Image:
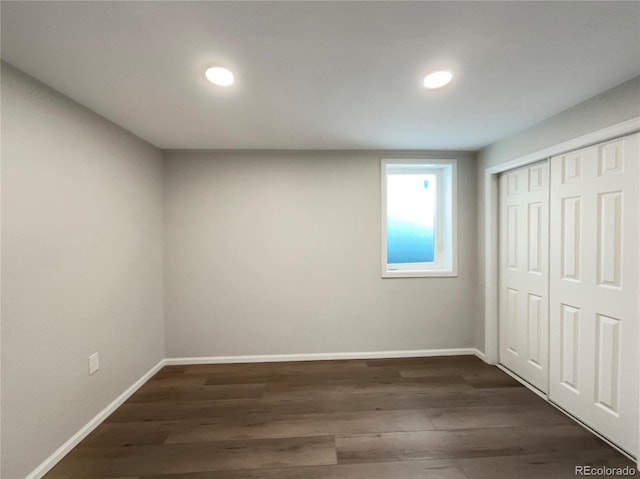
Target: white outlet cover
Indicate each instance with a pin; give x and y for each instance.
(94, 363)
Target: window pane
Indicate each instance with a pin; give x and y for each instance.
(410, 218)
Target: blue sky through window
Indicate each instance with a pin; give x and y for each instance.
(410, 218)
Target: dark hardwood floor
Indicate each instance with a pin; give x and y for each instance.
(435, 418)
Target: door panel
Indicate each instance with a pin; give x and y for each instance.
(593, 300)
(569, 357)
(524, 233)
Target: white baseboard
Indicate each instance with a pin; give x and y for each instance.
(274, 358)
(63, 450)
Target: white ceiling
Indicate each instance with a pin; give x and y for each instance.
(324, 75)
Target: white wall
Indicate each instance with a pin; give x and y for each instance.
(81, 267)
(279, 253)
(609, 108)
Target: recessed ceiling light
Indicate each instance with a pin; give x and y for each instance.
(219, 76)
(437, 79)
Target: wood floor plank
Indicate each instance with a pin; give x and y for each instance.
(301, 374)
(245, 378)
(200, 457)
(392, 400)
(173, 410)
(543, 466)
(504, 381)
(176, 410)
(229, 369)
(462, 443)
(366, 381)
(272, 426)
(257, 426)
(453, 365)
(497, 416)
(434, 361)
(198, 393)
(171, 370)
(174, 380)
(477, 376)
(420, 370)
(284, 367)
(344, 388)
(394, 470)
(326, 365)
(125, 435)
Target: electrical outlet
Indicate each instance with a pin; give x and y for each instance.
(94, 363)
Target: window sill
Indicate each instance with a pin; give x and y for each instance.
(419, 274)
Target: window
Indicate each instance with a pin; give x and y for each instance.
(418, 218)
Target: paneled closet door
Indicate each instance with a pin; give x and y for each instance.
(594, 303)
(524, 275)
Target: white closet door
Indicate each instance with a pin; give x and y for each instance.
(524, 275)
(594, 303)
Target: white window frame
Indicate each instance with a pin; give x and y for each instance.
(445, 241)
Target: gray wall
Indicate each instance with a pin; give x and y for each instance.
(609, 108)
(279, 253)
(81, 267)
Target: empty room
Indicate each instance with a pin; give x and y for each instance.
(319, 239)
